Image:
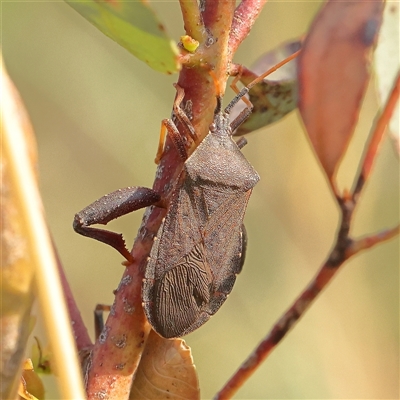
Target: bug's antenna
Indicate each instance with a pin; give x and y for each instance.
(240, 94)
(273, 69)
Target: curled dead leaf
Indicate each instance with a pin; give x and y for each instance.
(166, 371)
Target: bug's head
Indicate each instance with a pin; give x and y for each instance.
(220, 125)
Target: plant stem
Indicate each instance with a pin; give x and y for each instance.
(81, 335)
(193, 20)
(345, 247)
(289, 319)
(245, 15)
(376, 136)
(118, 350)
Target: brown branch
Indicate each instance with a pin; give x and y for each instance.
(81, 335)
(344, 249)
(376, 135)
(195, 79)
(245, 15)
(369, 241)
(118, 350)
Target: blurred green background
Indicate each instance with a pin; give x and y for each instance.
(96, 111)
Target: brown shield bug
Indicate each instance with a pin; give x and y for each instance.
(200, 246)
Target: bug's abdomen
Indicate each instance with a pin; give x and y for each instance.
(181, 296)
(187, 295)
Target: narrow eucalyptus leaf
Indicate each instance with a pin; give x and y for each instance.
(134, 26)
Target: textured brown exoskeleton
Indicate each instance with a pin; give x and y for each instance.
(200, 246)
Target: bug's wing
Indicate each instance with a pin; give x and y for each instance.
(224, 244)
(177, 283)
(179, 233)
(181, 296)
(198, 250)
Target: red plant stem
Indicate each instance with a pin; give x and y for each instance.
(246, 14)
(377, 134)
(284, 325)
(81, 335)
(218, 17)
(196, 81)
(344, 249)
(369, 241)
(118, 350)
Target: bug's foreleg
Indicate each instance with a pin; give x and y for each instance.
(112, 206)
(240, 95)
(167, 125)
(181, 115)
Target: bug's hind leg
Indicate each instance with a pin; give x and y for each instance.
(112, 206)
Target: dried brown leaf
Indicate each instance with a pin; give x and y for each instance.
(166, 371)
(333, 74)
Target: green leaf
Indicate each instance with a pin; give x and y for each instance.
(135, 27)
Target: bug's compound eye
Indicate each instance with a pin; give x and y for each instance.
(213, 127)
